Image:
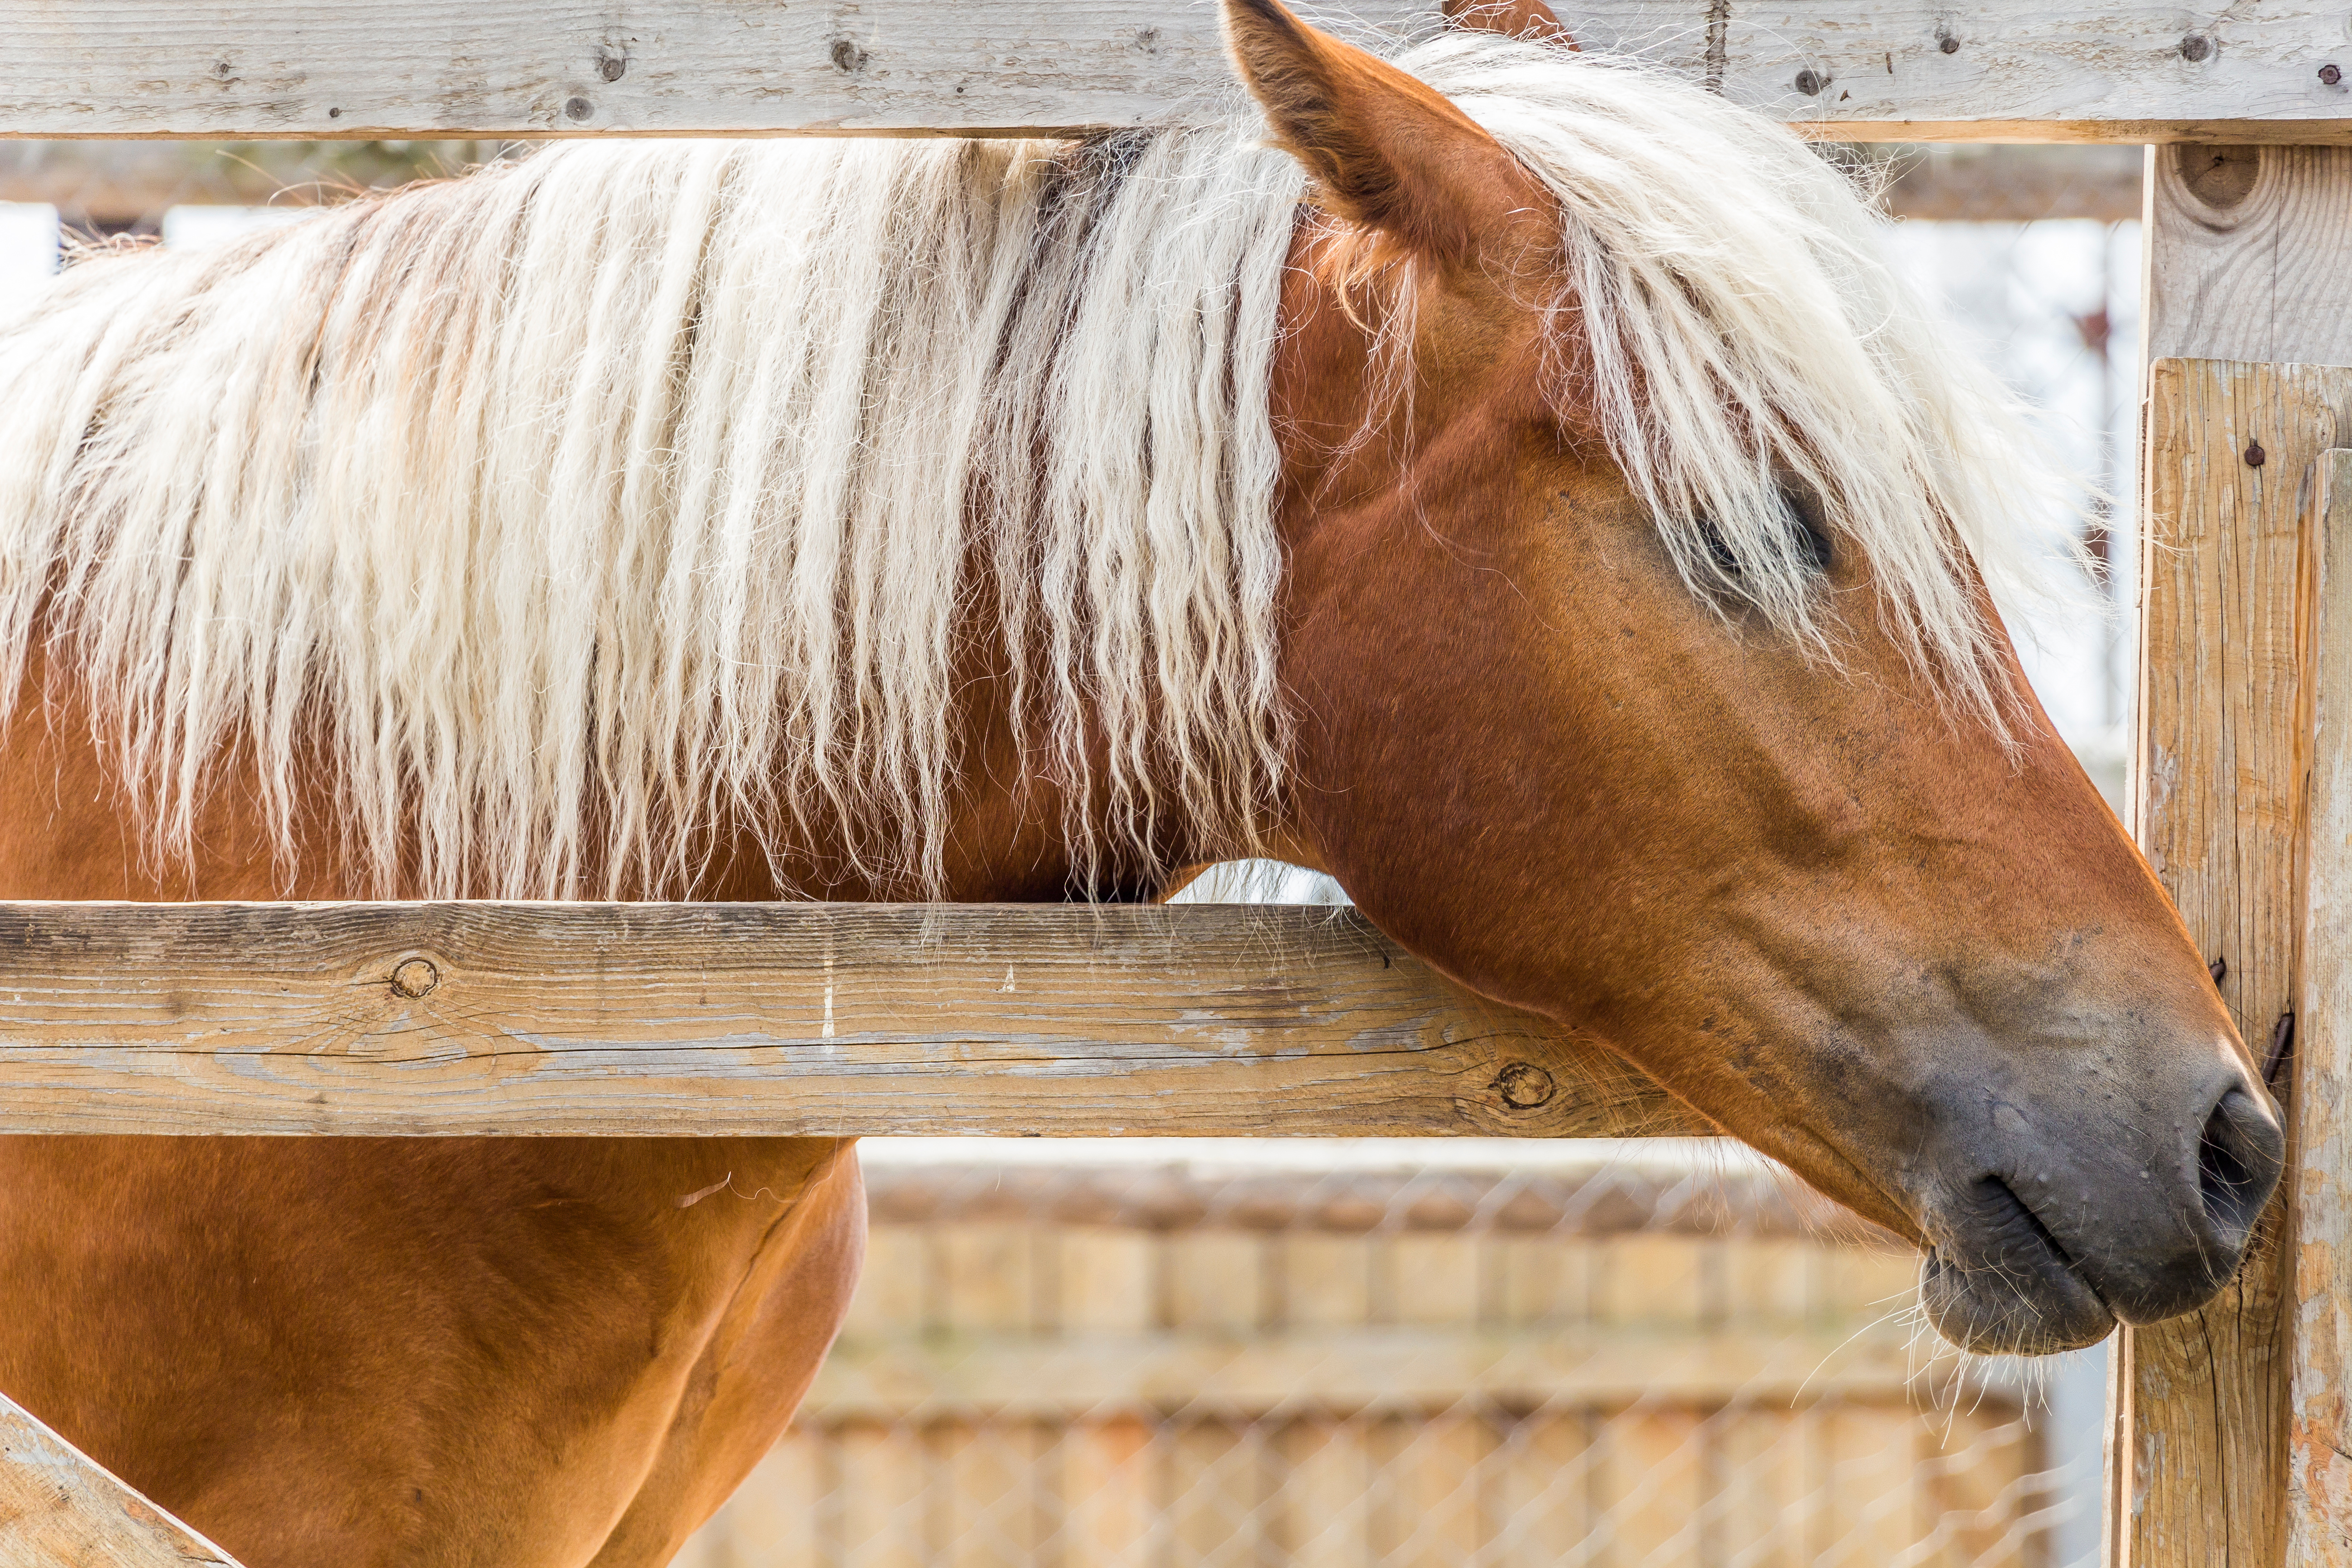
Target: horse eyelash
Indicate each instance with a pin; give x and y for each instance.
(1812, 538)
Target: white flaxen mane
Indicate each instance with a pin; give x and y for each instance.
(568, 509)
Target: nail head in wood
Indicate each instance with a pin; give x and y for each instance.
(1810, 82)
(2195, 48)
(2255, 456)
(2330, 74)
(412, 977)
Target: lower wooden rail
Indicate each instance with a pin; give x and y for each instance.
(632, 1019)
(61, 1508)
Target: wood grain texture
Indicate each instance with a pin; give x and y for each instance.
(61, 1508)
(2131, 70)
(2245, 254)
(2198, 1476)
(120, 183)
(803, 1019)
(2319, 1433)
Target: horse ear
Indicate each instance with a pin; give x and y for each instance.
(1530, 19)
(1386, 150)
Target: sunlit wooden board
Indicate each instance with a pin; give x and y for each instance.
(2008, 69)
(794, 1018)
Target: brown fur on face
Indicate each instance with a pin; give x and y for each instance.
(1530, 19)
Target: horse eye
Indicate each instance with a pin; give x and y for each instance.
(1804, 509)
(1801, 510)
(1719, 549)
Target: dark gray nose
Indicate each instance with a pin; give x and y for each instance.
(2156, 1270)
(2051, 1224)
(2239, 1162)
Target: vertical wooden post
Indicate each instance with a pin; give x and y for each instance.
(2247, 253)
(2319, 1424)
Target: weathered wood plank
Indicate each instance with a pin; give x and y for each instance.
(60, 1507)
(2132, 70)
(96, 184)
(460, 1018)
(2198, 1471)
(2319, 1434)
(2245, 254)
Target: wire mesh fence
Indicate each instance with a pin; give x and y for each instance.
(1606, 1357)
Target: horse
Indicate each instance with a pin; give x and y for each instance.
(1505, 480)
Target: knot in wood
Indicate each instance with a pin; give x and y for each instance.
(1523, 1085)
(412, 977)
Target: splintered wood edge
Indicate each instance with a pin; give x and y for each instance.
(59, 1506)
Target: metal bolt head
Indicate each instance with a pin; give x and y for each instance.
(412, 977)
(1948, 44)
(2330, 75)
(2255, 456)
(1810, 82)
(2195, 48)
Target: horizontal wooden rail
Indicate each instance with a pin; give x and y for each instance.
(117, 184)
(1385, 1369)
(632, 1019)
(1886, 69)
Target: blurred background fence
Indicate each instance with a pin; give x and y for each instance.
(1300, 1352)
(1576, 1354)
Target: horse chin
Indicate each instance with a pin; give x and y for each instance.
(2039, 1309)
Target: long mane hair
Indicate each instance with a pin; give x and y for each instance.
(569, 510)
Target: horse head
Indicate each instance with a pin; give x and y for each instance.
(1643, 675)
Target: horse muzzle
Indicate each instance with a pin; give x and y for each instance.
(2051, 1222)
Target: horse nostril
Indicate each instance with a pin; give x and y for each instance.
(2238, 1163)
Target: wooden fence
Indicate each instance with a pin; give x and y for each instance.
(1074, 1366)
(2229, 1425)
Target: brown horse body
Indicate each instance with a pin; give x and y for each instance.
(1841, 916)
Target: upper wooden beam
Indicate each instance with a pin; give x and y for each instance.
(1878, 70)
(637, 1019)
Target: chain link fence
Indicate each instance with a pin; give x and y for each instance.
(1287, 1354)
